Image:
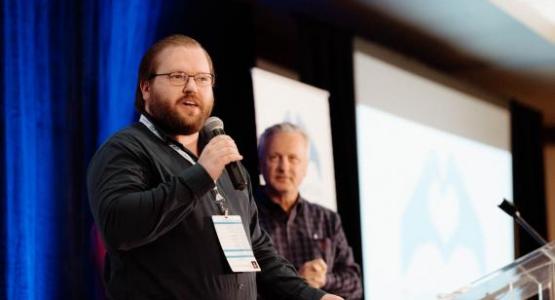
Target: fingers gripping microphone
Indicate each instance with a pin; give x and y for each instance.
(213, 127)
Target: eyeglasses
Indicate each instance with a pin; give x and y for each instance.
(181, 78)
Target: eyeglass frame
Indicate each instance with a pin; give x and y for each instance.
(189, 76)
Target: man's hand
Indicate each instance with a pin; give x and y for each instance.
(331, 297)
(314, 272)
(220, 151)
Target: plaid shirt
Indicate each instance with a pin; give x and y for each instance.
(312, 231)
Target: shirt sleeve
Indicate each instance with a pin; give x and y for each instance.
(278, 278)
(127, 209)
(344, 279)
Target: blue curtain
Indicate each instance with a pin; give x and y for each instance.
(127, 29)
(68, 72)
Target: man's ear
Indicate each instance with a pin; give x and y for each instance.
(145, 89)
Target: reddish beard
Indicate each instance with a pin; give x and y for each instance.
(169, 116)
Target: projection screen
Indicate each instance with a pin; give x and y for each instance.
(434, 164)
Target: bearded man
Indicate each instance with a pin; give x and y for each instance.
(165, 206)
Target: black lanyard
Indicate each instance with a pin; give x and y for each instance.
(220, 201)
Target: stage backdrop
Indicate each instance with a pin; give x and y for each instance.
(279, 99)
(434, 164)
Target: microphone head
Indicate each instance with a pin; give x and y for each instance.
(508, 207)
(213, 123)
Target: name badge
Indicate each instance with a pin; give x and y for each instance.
(235, 244)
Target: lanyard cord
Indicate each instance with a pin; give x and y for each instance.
(219, 199)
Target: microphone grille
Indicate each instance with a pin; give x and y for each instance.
(213, 123)
(508, 207)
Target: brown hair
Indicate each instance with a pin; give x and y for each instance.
(149, 62)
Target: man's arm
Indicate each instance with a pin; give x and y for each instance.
(344, 279)
(128, 211)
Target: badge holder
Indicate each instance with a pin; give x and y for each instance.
(233, 238)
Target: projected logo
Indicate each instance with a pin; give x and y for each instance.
(439, 230)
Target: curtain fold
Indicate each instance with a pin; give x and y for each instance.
(28, 145)
(528, 173)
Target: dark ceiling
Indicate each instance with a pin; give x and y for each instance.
(470, 40)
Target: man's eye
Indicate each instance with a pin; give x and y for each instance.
(177, 76)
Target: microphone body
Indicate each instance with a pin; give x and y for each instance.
(511, 210)
(212, 128)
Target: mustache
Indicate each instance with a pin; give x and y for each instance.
(190, 98)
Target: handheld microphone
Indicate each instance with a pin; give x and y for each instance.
(511, 210)
(213, 127)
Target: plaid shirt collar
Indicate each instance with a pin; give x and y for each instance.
(275, 209)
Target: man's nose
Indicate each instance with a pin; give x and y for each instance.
(190, 85)
(283, 164)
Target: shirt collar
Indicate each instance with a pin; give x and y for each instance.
(274, 208)
(149, 122)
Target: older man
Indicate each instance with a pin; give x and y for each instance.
(174, 225)
(307, 234)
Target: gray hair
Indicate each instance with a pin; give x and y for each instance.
(286, 127)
